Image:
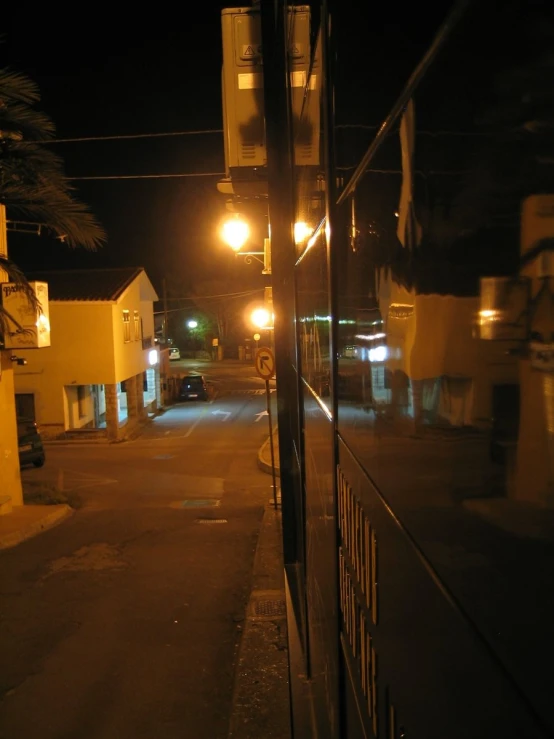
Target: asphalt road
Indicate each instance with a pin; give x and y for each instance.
(124, 621)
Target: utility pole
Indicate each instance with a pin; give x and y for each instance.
(9, 462)
(165, 310)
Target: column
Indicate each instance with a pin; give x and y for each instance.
(112, 414)
(157, 379)
(131, 390)
(9, 459)
(139, 395)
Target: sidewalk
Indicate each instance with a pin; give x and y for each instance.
(261, 706)
(29, 520)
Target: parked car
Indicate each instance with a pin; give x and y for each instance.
(31, 448)
(174, 353)
(193, 387)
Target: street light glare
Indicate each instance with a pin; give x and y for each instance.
(261, 318)
(302, 232)
(235, 233)
(192, 324)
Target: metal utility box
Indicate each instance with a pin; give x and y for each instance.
(243, 93)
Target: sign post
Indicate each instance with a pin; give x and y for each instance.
(265, 367)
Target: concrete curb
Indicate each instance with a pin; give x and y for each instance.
(261, 703)
(40, 518)
(264, 457)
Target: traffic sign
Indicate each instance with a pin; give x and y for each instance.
(265, 363)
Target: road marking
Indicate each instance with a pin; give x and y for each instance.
(222, 413)
(259, 415)
(84, 480)
(194, 425)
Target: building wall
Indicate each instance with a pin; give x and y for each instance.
(88, 347)
(129, 356)
(80, 353)
(79, 413)
(147, 313)
(10, 478)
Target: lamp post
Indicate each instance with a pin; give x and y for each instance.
(235, 232)
(192, 325)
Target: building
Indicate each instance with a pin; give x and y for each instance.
(100, 375)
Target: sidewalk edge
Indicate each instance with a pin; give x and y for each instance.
(12, 538)
(260, 691)
(264, 458)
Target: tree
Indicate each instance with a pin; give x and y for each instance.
(33, 186)
(216, 300)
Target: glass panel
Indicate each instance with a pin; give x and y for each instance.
(445, 383)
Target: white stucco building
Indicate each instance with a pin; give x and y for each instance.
(100, 375)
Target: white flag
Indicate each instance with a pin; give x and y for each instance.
(408, 229)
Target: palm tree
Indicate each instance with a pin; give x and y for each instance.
(33, 186)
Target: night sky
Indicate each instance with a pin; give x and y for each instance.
(107, 74)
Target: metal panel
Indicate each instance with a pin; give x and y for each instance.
(416, 663)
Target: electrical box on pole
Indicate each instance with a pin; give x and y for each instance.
(243, 101)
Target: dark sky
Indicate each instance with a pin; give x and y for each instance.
(158, 70)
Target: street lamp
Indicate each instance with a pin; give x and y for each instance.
(235, 232)
(302, 232)
(262, 318)
(192, 325)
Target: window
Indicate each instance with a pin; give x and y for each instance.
(137, 321)
(126, 326)
(81, 400)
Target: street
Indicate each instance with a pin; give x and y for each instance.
(125, 620)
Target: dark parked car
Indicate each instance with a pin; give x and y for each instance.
(193, 387)
(31, 449)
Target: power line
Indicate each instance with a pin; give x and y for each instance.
(210, 131)
(444, 172)
(222, 295)
(210, 297)
(129, 136)
(150, 176)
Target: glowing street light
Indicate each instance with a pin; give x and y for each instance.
(262, 318)
(302, 232)
(235, 233)
(192, 324)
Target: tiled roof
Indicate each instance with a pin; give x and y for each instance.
(86, 284)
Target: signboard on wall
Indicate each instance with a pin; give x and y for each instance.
(35, 327)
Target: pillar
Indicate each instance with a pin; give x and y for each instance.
(10, 477)
(131, 390)
(112, 412)
(139, 394)
(157, 380)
